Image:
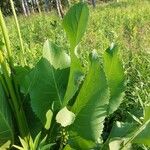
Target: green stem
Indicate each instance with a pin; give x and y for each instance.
(19, 33)
(7, 71)
(6, 39)
(4, 85)
(19, 113)
(61, 145)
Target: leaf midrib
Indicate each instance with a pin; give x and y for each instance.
(56, 87)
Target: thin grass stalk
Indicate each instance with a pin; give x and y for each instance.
(23, 60)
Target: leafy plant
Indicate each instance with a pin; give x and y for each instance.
(61, 99)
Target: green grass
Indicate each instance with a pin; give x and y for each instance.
(126, 23)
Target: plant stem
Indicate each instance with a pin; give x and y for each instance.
(7, 69)
(61, 145)
(4, 85)
(19, 113)
(6, 39)
(19, 33)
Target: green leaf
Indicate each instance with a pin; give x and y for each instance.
(65, 117)
(75, 23)
(115, 77)
(47, 87)
(6, 127)
(67, 147)
(76, 77)
(5, 146)
(146, 113)
(23, 82)
(49, 116)
(20, 73)
(119, 134)
(52, 53)
(121, 129)
(37, 141)
(76, 142)
(143, 136)
(132, 133)
(91, 104)
(116, 144)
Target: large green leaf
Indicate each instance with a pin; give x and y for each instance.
(91, 103)
(75, 22)
(34, 123)
(6, 128)
(56, 56)
(47, 87)
(46, 83)
(20, 73)
(115, 77)
(77, 142)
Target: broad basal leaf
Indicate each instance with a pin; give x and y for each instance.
(46, 87)
(75, 23)
(77, 142)
(115, 76)
(6, 128)
(34, 123)
(56, 56)
(47, 81)
(91, 103)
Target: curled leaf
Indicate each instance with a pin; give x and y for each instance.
(65, 117)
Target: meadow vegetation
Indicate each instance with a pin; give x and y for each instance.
(125, 23)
